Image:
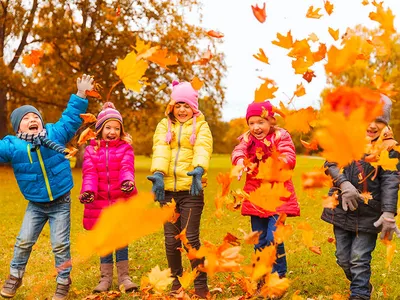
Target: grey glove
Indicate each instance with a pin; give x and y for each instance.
(350, 196)
(158, 185)
(388, 226)
(196, 187)
(84, 84)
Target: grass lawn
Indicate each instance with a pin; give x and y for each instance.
(315, 276)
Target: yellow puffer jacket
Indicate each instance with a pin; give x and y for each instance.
(180, 156)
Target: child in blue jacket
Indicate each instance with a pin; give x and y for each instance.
(37, 155)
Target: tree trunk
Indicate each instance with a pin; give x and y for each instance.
(3, 113)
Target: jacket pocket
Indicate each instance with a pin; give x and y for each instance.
(27, 177)
(375, 205)
(57, 169)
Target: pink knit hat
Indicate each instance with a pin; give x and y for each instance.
(260, 109)
(183, 92)
(108, 113)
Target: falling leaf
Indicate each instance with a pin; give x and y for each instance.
(300, 90)
(384, 17)
(313, 145)
(314, 179)
(259, 13)
(386, 162)
(215, 34)
(161, 87)
(334, 33)
(366, 196)
(86, 135)
(390, 251)
(251, 238)
(330, 201)
(300, 120)
(307, 233)
(274, 169)
(261, 262)
(328, 7)
(264, 92)
(71, 152)
(224, 179)
(282, 233)
(316, 249)
(274, 286)
(313, 37)
(308, 76)
(33, 58)
(130, 71)
(320, 54)
(187, 278)
(204, 59)
(365, 2)
(261, 56)
(284, 41)
(268, 196)
(313, 13)
(118, 12)
(88, 118)
(196, 83)
(93, 94)
(162, 58)
(158, 279)
(231, 239)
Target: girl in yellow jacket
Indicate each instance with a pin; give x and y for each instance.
(182, 147)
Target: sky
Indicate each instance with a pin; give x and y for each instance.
(244, 35)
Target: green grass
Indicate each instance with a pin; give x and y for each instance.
(315, 276)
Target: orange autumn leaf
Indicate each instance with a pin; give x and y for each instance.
(384, 17)
(157, 279)
(88, 118)
(334, 33)
(268, 196)
(282, 233)
(261, 56)
(196, 83)
(390, 251)
(71, 152)
(259, 13)
(231, 239)
(384, 87)
(187, 278)
(301, 65)
(300, 120)
(328, 7)
(365, 2)
(224, 179)
(122, 223)
(296, 296)
(313, 13)
(301, 49)
(93, 94)
(313, 145)
(341, 59)
(308, 76)
(284, 41)
(204, 59)
(235, 171)
(316, 249)
(313, 37)
(33, 58)
(274, 286)
(331, 240)
(252, 237)
(86, 135)
(307, 233)
(162, 58)
(118, 12)
(320, 54)
(264, 92)
(330, 201)
(366, 196)
(314, 179)
(300, 90)
(215, 34)
(175, 215)
(261, 262)
(274, 169)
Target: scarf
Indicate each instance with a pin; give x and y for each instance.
(40, 139)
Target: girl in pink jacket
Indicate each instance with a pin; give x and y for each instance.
(108, 176)
(256, 146)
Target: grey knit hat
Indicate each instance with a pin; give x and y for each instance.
(20, 112)
(386, 110)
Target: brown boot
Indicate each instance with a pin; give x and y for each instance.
(106, 271)
(123, 277)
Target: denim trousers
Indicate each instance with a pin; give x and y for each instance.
(120, 255)
(354, 255)
(268, 226)
(36, 216)
(190, 209)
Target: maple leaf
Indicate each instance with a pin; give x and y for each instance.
(231, 239)
(313, 145)
(383, 87)
(261, 56)
(328, 7)
(71, 152)
(238, 197)
(264, 92)
(300, 120)
(320, 54)
(268, 196)
(301, 65)
(274, 169)
(215, 34)
(196, 83)
(341, 59)
(284, 41)
(122, 223)
(259, 13)
(159, 280)
(93, 94)
(88, 118)
(308, 76)
(384, 17)
(33, 58)
(334, 33)
(130, 71)
(162, 58)
(224, 179)
(307, 233)
(365, 2)
(141, 47)
(282, 233)
(86, 135)
(315, 249)
(204, 59)
(313, 13)
(385, 161)
(313, 37)
(187, 278)
(274, 286)
(300, 90)
(330, 201)
(261, 262)
(252, 237)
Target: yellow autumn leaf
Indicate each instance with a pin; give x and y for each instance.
(386, 162)
(274, 286)
(268, 196)
(196, 83)
(130, 71)
(159, 280)
(187, 278)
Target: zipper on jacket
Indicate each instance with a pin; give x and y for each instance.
(176, 157)
(46, 179)
(108, 176)
(28, 149)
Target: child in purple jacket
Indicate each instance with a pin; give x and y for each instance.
(108, 176)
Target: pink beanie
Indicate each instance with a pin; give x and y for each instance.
(107, 114)
(260, 109)
(183, 92)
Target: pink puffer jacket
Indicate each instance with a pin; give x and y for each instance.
(281, 139)
(103, 171)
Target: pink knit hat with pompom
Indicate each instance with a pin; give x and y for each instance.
(108, 113)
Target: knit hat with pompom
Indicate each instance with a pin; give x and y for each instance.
(108, 113)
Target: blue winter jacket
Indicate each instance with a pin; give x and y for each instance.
(45, 175)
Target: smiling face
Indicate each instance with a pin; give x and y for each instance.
(182, 112)
(259, 127)
(111, 130)
(30, 124)
(374, 129)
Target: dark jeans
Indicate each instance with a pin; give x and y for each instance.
(190, 209)
(353, 254)
(120, 255)
(268, 227)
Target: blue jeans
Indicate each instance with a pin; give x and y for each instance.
(36, 216)
(268, 227)
(353, 254)
(120, 255)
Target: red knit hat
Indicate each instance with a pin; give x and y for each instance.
(260, 109)
(108, 113)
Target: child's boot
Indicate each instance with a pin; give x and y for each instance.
(106, 278)
(123, 277)
(10, 286)
(62, 290)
